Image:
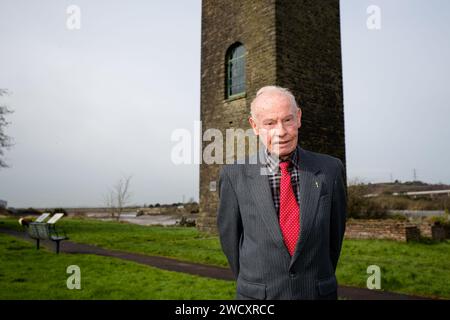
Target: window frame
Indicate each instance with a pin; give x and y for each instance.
(229, 60)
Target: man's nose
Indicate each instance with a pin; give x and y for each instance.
(281, 131)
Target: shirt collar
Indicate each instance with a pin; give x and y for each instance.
(273, 162)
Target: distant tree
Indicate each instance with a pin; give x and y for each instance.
(5, 141)
(118, 197)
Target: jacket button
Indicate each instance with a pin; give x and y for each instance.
(292, 274)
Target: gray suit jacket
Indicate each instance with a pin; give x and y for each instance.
(252, 240)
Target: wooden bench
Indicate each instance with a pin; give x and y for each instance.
(46, 231)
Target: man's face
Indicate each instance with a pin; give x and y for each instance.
(276, 122)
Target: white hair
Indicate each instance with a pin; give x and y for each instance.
(277, 89)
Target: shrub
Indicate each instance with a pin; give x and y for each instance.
(360, 207)
(443, 220)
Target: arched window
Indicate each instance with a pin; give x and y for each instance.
(235, 70)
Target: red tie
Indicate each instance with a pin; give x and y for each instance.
(289, 210)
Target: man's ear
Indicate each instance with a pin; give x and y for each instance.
(299, 118)
(254, 126)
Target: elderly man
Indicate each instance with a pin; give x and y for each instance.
(281, 217)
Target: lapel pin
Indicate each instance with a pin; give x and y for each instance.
(317, 184)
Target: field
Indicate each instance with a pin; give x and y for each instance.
(412, 268)
(29, 274)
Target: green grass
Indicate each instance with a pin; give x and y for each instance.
(183, 243)
(26, 273)
(412, 268)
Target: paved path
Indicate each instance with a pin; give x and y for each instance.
(171, 264)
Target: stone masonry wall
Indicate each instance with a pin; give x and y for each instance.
(224, 23)
(295, 44)
(393, 230)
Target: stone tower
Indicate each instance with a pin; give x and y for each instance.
(247, 44)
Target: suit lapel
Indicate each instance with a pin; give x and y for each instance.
(309, 184)
(261, 194)
(259, 189)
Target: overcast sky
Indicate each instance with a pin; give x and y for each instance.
(94, 104)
